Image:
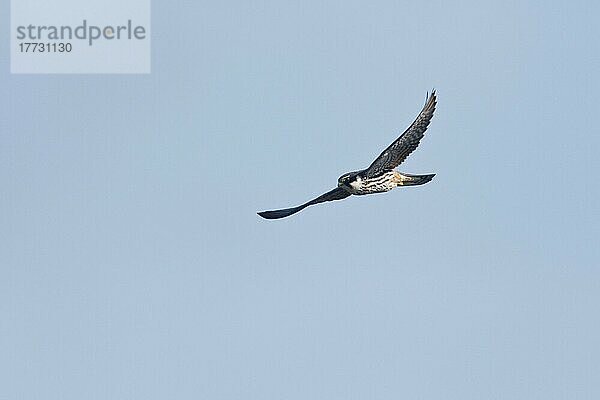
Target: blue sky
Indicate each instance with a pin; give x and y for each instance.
(134, 265)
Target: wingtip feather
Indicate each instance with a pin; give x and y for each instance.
(277, 214)
(264, 214)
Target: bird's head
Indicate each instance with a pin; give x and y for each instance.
(347, 179)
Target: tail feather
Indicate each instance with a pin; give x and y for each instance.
(414, 180)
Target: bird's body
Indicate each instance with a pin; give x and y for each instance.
(380, 176)
(361, 185)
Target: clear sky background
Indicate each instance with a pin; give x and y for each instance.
(133, 265)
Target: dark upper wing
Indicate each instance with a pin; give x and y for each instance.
(397, 152)
(335, 194)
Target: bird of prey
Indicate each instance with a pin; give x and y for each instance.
(380, 175)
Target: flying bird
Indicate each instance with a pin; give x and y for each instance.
(380, 175)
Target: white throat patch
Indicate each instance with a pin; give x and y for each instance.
(357, 184)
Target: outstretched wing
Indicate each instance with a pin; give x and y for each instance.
(397, 152)
(335, 194)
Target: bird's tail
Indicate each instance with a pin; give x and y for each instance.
(412, 180)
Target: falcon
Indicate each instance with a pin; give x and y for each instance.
(380, 175)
